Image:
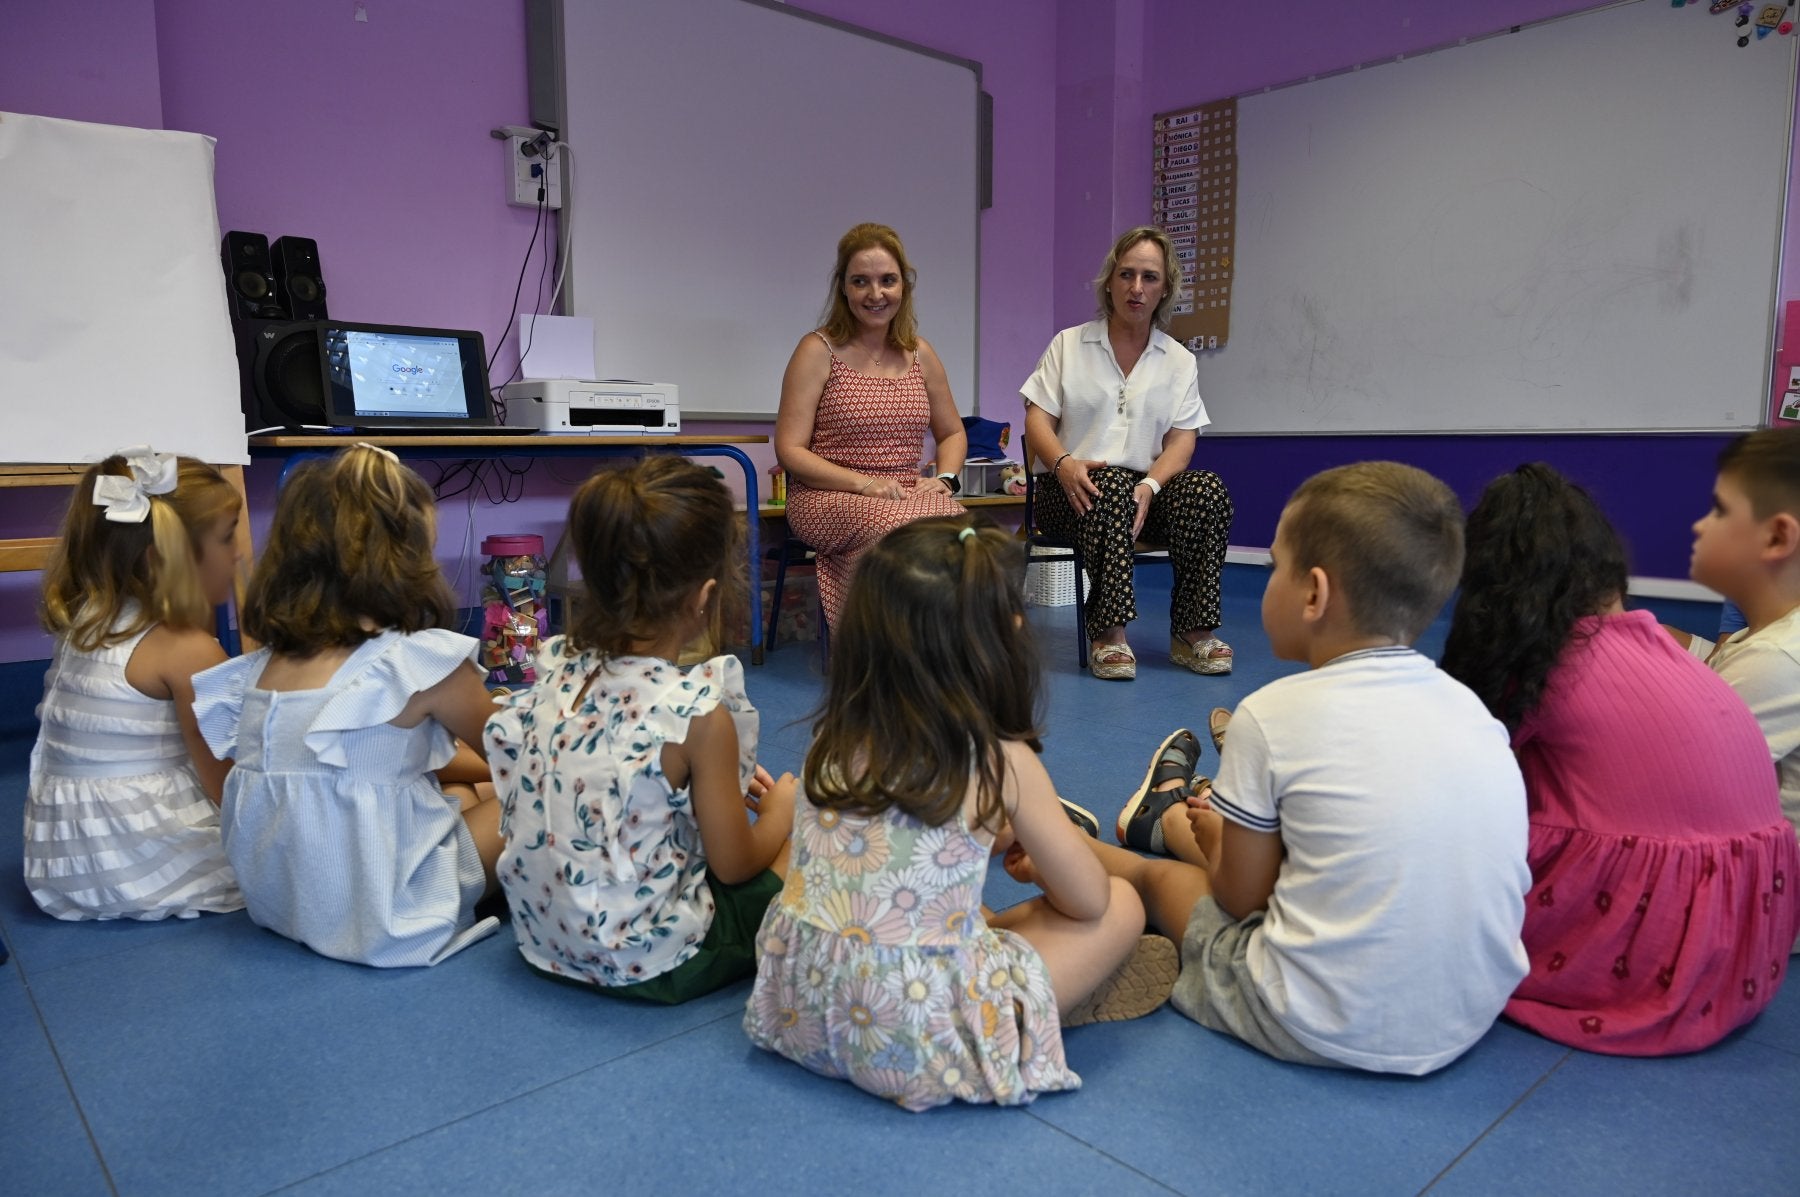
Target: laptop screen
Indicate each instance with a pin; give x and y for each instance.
(389, 374)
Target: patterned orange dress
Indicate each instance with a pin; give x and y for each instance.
(875, 426)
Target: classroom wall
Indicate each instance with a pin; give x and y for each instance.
(82, 60)
(371, 137)
(1015, 42)
(1653, 487)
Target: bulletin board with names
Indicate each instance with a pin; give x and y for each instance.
(1194, 200)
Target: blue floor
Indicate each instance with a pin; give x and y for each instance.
(212, 1057)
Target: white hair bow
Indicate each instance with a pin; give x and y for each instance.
(127, 500)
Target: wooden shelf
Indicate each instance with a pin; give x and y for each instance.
(775, 510)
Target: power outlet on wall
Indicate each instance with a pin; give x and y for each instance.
(527, 168)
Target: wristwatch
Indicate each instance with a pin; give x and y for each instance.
(951, 481)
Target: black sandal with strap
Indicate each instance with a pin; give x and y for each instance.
(1176, 759)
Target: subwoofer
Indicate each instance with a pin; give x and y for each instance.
(299, 280)
(283, 374)
(249, 277)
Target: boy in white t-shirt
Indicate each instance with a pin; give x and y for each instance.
(1747, 547)
(1364, 844)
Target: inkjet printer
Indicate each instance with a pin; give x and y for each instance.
(611, 408)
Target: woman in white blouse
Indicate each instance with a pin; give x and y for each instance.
(1111, 414)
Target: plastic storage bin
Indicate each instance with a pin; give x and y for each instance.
(514, 617)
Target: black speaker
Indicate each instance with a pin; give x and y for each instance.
(249, 277)
(299, 282)
(283, 379)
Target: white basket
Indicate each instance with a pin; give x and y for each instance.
(1051, 583)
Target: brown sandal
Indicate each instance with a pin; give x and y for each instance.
(1216, 722)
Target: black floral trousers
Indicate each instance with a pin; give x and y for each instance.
(1192, 515)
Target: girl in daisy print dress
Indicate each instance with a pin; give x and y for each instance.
(631, 864)
(879, 965)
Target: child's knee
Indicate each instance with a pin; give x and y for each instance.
(1125, 907)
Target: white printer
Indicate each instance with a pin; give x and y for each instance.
(609, 408)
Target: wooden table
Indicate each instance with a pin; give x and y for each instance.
(485, 448)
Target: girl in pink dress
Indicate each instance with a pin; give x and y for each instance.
(857, 398)
(1661, 912)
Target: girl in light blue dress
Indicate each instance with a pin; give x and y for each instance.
(343, 722)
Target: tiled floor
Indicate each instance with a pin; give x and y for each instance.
(212, 1057)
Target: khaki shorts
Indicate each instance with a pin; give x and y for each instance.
(1215, 988)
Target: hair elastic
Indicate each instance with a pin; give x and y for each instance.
(387, 453)
(965, 533)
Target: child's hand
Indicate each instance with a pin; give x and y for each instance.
(760, 783)
(776, 801)
(1204, 821)
(1018, 865)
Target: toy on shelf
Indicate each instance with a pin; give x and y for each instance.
(514, 619)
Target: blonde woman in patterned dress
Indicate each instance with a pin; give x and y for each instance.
(857, 398)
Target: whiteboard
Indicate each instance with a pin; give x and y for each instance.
(113, 322)
(721, 148)
(1572, 226)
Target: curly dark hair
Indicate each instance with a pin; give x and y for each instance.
(933, 668)
(1541, 555)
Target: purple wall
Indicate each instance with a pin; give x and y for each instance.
(371, 137)
(1015, 42)
(84, 60)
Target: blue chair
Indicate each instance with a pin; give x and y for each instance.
(1042, 546)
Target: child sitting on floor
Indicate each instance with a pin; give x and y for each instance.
(1747, 547)
(1360, 860)
(341, 835)
(1656, 921)
(121, 818)
(879, 964)
(631, 863)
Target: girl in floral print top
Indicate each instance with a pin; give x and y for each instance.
(879, 965)
(631, 861)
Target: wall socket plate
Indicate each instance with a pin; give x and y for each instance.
(523, 172)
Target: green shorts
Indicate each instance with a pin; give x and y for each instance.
(727, 954)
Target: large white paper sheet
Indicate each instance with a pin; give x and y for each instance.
(113, 323)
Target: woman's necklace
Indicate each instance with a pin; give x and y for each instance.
(875, 358)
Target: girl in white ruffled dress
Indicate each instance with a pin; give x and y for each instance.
(121, 818)
(342, 836)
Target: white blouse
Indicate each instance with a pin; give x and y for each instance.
(1078, 381)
